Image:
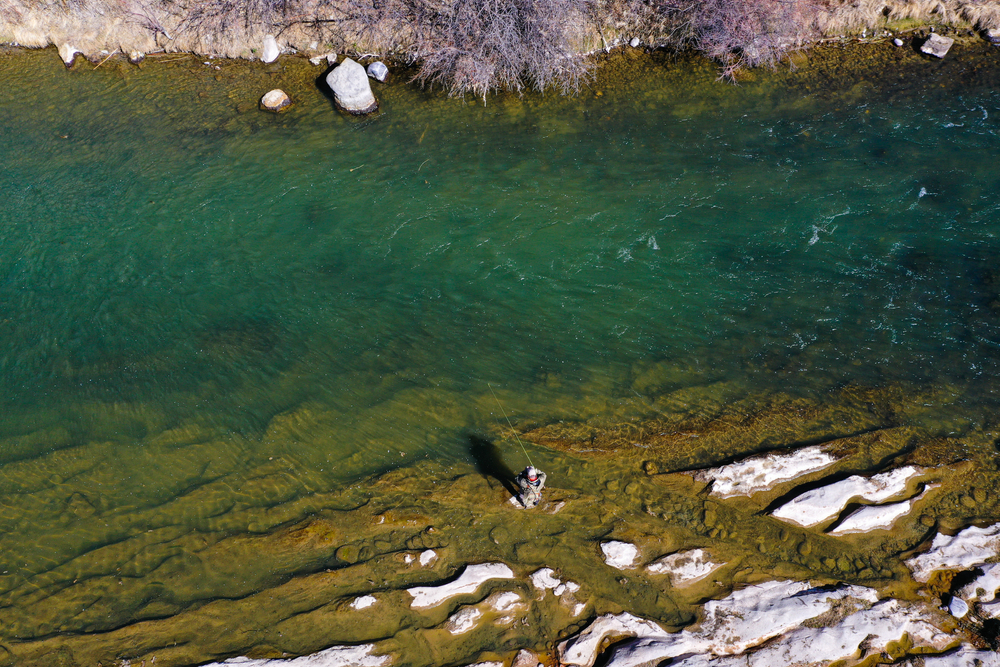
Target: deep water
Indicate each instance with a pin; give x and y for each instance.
(191, 287)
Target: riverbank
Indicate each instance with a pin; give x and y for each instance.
(477, 46)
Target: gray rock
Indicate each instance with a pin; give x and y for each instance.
(68, 53)
(275, 100)
(897, 41)
(351, 90)
(992, 35)
(271, 50)
(958, 608)
(936, 45)
(634, 43)
(378, 71)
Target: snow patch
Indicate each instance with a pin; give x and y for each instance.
(335, 656)
(988, 582)
(760, 473)
(964, 657)
(427, 557)
(468, 582)
(544, 578)
(506, 601)
(621, 555)
(363, 602)
(969, 548)
(684, 567)
(463, 620)
(825, 503)
(877, 517)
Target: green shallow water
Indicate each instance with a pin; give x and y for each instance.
(211, 316)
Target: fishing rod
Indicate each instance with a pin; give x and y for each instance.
(511, 425)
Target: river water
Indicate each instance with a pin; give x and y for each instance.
(192, 290)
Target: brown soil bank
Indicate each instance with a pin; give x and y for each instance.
(475, 45)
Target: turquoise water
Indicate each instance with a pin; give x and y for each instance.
(340, 291)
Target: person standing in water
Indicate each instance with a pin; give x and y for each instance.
(531, 482)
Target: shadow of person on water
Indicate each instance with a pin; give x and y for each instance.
(489, 463)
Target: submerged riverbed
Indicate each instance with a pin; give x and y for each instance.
(247, 357)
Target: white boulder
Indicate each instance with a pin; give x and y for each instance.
(270, 52)
(351, 90)
(68, 53)
(275, 100)
(378, 71)
(936, 45)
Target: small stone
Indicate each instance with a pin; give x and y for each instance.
(351, 90)
(968, 501)
(275, 100)
(324, 58)
(992, 35)
(650, 468)
(936, 45)
(958, 608)
(271, 51)
(136, 57)
(805, 548)
(378, 71)
(634, 43)
(979, 495)
(897, 41)
(68, 53)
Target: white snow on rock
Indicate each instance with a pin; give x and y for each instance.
(744, 619)
(964, 657)
(408, 558)
(874, 628)
(544, 578)
(621, 555)
(468, 582)
(487, 664)
(988, 582)
(877, 517)
(684, 567)
(969, 548)
(335, 656)
(463, 620)
(363, 602)
(583, 649)
(506, 601)
(825, 503)
(427, 557)
(760, 473)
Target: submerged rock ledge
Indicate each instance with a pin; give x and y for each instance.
(430, 565)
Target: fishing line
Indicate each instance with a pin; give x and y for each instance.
(511, 425)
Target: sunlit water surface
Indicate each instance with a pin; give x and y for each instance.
(178, 266)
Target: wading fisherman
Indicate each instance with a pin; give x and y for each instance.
(531, 482)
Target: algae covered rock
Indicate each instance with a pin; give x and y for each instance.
(351, 90)
(275, 100)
